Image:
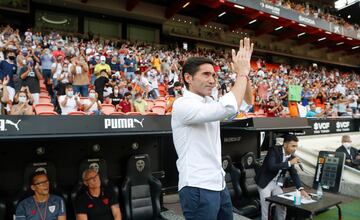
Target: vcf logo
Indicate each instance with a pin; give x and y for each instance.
(321, 126)
(9, 122)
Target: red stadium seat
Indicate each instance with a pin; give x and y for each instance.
(48, 113)
(44, 107)
(44, 99)
(150, 104)
(160, 103)
(133, 113)
(106, 109)
(77, 113)
(159, 110)
(151, 113)
(117, 113)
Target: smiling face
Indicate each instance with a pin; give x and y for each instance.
(203, 81)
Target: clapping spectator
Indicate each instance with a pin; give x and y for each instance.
(22, 107)
(31, 75)
(69, 102)
(140, 105)
(92, 104)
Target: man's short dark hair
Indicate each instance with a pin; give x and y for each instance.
(127, 94)
(192, 64)
(177, 83)
(35, 174)
(290, 137)
(68, 86)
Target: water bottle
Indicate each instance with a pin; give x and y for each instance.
(319, 192)
(297, 198)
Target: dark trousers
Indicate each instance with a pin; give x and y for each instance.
(200, 204)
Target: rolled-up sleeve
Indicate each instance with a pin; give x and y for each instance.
(188, 111)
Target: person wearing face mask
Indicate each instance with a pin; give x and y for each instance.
(30, 76)
(56, 69)
(8, 68)
(126, 104)
(69, 102)
(22, 107)
(115, 97)
(102, 66)
(140, 105)
(46, 61)
(7, 94)
(92, 105)
(63, 79)
(114, 65)
(79, 71)
(351, 153)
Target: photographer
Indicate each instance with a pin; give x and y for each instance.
(30, 76)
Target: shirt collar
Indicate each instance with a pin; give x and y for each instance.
(283, 151)
(187, 93)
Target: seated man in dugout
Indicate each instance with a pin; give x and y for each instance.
(97, 202)
(42, 205)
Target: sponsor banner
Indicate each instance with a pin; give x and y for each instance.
(26, 126)
(327, 126)
(296, 16)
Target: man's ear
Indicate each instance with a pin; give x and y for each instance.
(188, 78)
(32, 187)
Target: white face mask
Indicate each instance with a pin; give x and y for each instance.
(347, 145)
(70, 93)
(116, 91)
(22, 99)
(92, 95)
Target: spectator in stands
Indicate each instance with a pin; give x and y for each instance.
(130, 67)
(172, 77)
(97, 201)
(102, 66)
(30, 76)
(115, 97)
(114, 65)
(8, 68)
(270, 177)
(177, 90)
(46, 62)
(140, 105)
(352, 155)
(22, 107)
(126, 104)
(7, 94)
(92, 105)
(42, 205)
(153, 78)
(56, 69)
(69, 102)
(353, 98)
(100, 84)
(80, 80)
(63, 79)
(196, 116)
(314, 113)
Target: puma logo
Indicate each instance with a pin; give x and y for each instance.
(139, 122)
(16, 125)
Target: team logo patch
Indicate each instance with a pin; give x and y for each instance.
(33, 212)
(106, 201)
(52, 209)
(90, 206)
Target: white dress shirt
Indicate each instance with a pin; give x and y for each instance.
(195, 124)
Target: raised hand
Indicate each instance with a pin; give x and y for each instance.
(241, 58)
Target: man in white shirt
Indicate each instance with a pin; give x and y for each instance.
(196, 133)
(69, 102)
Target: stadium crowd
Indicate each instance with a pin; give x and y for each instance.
(50, 74)
(309, 9)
